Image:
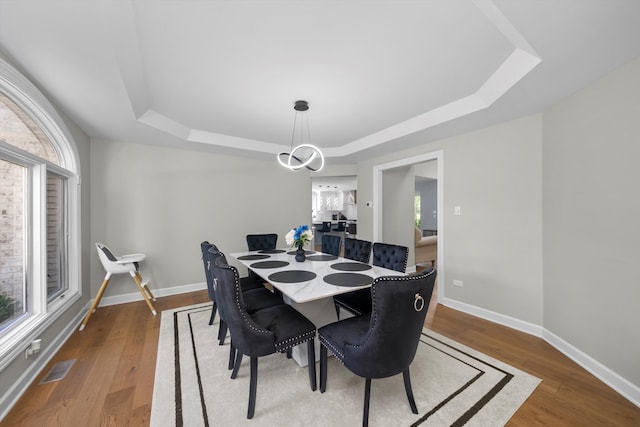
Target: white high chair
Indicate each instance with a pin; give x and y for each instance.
(119, 265)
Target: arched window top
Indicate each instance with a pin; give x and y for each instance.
(19, 130)
(43, 132)
(41, 263)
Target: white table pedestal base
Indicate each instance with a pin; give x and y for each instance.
(321, 312)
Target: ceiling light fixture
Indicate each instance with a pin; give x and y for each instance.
(304, 155)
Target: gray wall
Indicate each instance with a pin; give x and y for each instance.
(591, 220)
(495, 246)
(397, 213)
(398, 207)
(428, 191)
(164, 201)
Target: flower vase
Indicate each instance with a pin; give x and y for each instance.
(300, 255)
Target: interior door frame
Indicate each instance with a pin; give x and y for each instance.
(378, 198)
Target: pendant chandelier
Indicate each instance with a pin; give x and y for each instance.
(303, 155)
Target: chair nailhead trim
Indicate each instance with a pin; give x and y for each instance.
(241, 309)
(285, 345)
(331, 347)
(375, 313)
(294, 341)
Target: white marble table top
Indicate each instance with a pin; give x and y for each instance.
(315, 288)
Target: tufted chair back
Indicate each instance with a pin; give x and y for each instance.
(207, 250)
(204, 248)
(247, 336)
(259, 242)
(357, 250)
(399, 308)
(331, 244)
(389, 256)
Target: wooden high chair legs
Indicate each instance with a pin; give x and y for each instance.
(142, 287)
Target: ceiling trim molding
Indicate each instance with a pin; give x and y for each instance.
(516, 66)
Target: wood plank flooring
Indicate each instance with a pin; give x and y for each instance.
(111, 383)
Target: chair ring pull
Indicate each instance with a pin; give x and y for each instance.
(418, 303)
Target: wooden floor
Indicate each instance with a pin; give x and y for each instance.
(111, 383)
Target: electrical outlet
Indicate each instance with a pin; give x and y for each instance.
(34, 348)
(457, 283)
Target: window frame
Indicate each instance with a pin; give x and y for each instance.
(42, 313)
(64, 232)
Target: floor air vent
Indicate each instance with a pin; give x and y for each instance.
(58, 372)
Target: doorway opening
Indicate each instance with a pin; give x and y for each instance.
(387, 172)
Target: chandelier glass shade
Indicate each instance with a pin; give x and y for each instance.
(303, 155)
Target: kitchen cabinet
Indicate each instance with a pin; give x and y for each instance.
(330, 201)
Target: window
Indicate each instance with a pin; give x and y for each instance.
(56, 235)
(39, 216)
(12, 242)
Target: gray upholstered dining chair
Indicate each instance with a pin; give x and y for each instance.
(382, 343)
(393, 257)
(267, 331)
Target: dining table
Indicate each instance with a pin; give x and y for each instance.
(309, 286)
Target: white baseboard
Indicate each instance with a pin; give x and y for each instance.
(162, 292)
(17, 389)
(502, 319)
(630, 391)
(619, 384)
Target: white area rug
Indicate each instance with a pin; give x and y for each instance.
(453, 385)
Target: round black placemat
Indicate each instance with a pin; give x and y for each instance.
(269, 264)
(292, 276)
(350, 266)
(323, 257)
(253, 257)
(271, 251)
(306, 252)
(348, 279)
